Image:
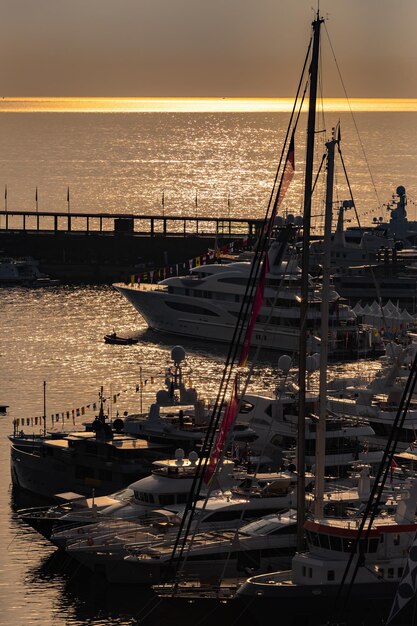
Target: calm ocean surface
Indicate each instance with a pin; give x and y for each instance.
(123, 162)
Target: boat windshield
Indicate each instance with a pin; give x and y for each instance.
(123, 494)
(271, 524)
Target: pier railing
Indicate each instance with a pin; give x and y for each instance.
(131, 224)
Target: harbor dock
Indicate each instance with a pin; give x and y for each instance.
(103, 247)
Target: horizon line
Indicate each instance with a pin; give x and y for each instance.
(126, 104)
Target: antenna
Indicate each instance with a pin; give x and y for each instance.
(44, 408)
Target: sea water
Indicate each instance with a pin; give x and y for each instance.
(123, 162)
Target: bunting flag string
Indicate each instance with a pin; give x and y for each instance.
(81, 410)
(180, 269)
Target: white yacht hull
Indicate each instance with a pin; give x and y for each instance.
(216, 324)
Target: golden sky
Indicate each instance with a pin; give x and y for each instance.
(204, 49)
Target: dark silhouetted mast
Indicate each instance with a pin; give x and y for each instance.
(308, 186)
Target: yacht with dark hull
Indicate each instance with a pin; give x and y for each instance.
(97, 462)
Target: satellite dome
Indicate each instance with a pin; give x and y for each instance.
(193, 457)
(316, 357)
(177, 354)
(163, 397)
(179, 454)
(284, 363)
(311, 363)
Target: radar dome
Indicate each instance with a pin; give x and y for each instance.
(163, 397)
(400, 190)
(311, 363)
(290, 218)
(298, 220)
(279, 220)
(284, 363)
(177, 354)
(179, 454)
(193, 457)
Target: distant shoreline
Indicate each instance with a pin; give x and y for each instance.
(196, 105)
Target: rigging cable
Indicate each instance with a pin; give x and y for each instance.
(235, 342)
(353, 118)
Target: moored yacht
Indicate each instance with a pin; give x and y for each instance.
(23, 272)
(254, 547)
(206, 304)
(167, 486)
(97, 462)
(349, 439)
(312, 590)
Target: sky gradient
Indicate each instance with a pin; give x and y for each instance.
(200, 48)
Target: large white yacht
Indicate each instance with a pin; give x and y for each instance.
(206, 303)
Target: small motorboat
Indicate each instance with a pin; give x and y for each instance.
(113, 338)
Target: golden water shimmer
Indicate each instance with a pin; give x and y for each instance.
(190, 105)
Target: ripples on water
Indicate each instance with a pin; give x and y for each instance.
(123, 162)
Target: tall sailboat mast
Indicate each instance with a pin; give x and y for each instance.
(308, 187)
(324, 346)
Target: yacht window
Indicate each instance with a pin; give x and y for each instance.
(396, 540)
(390, 572)
(304, 570)
(291, 530)
(347, 545)
(400, 572)
(310, 572)
(236, 280)
(268, 410)
(330, 574)
(336, 543)
(190, 308)
(277, 440)
(373, 545)
(165, 499)
(324, 541)
(381, 571)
